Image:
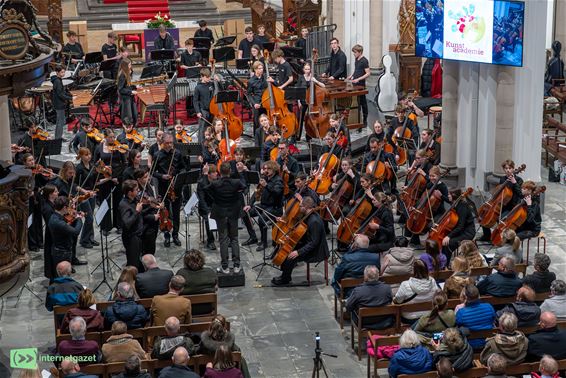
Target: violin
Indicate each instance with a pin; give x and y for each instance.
(338, 199)
(95, 135)
(317, 120)
(40, 134)
(72, 213)
(355, 218)
(134, 136)
(489, 212)
(448, 221)
(277, 109)
(147, 200)
(86, 196)
(289, 240)
(225, 111)
(421, 213)
(117, 146)
(103, 169)
(38, 169)
(183, 137)
(328, 164)
(514, 219)
(17, 149)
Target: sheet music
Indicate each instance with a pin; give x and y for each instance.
(99, 215)
(30, 220)
(190, 204)
(212, 224)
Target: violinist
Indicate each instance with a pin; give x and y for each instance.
(205, 201)
(303, 189)
(127, 91)
(134, 163)
(210, 153)
(86, 137)
(201, 100)
(359, 76)
(285, 74)
(375, 150)
(338, 127)
(402, 122)
(289, 165)
(116, 160)
(531, 227)
(154, 148)
(337, 67)
(169, 163)
(63, 235)
(268, 199)
(150, 212)
(132, 222)
(130, 136)
(86, 179)
(431, 146)
(59, 99)
(190, 59)
(239, 165)
(181, 135)
(465, 229)
(385, 228)
(312, 247)
(515, 183)
(49, 193)
(256, 85)
(29, 141)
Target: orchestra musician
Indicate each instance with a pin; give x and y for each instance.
(337, 126)
(169, 163)
(134, 163)
(262, 132)
(110, 52)
(127, 91)
(304, 81)
(190, 59)
(132, 222)
(515, 183)
(82, 137)
(422, 164)
(359, 76)
(401, 120)
(28, 142)
(110, 190)
(49, 193)
(441, 189)
(256, 85)
(63, 234)
(205, 201)
(347, 169)
(329, 140)
(380, 135)
(268, 198)
(255, 56)
(164, 41)
(150, 211)
(59, 99)
(204, 32)
(302, 41)
(261, 36)
(271, 141)
(245, 46)
(129, 130)
(465, 228)
(312, 247)
(210, 152)
(201, 100)
(86, 178)
(289, 165)
(285, 74)
(337, 67)
(375, 147)
(414, 111)
(154, 148)
(531, 226)
(303, 190)
(72, 51)
(430, 145)
(385, 229)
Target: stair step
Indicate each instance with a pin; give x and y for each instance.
(163, 9)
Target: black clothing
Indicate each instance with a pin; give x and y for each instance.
(302, 43)
(517, 193)
(129, 142)
(132, 230)
(150, 224)
(385, 235)
(63, 237)
(117, 162)
(81, 139)
(440, 186)
(409, 124)
(550, 341)
(246, 47)
(337, 66)
(360, 66)
(201, 101)
(308, 192)
(163, 160)
(178, 371)
(465, 229)
(166, 43)
(500, 284)
(153, 282)
(435, 148)
(204, 206)
(262, 39)
(271, 200)
(256, 87)
(206, 33)
(528, 314)
(285, 71)
(190, 60)
(127, 105)
(59, 97)
(76, 51)
(110, 51)
(65, 188)
(49, 270)
(153, 149)
(371, 294)
(293, 167)
(533, 221)
(540, 281)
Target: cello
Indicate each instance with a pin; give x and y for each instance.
(448, 221)
(225, 111)
(289, 240)
(355, 219)
(317, 119)
(514, 219)
(414, 188)
(226, 146)
(327, 166)
(404, 133)
(377, 168)
(421, 214)
(288, 220)
(278, 110)
(338, 199)
(490, 211)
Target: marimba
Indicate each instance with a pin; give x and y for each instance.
(82, 99)
(344, 96)
(153, 99)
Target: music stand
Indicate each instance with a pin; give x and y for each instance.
(151, 71)
(107, 65)
(269, 46)
(407, 143)
(225, 41)
(93, 57)
(224, 54)
(252, 153)
(293, 52)
(295, 93)
(183, 179)
(251, 177)
(48, 147)
(162, 55)
(227, 96)
(201, 42)
(242, 64)
(204, 52)
(192, 72)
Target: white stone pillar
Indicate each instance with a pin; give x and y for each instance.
(5, 138)
(505, 118)
(450, 78)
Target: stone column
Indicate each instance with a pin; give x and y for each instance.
(376, 32)
(450, 78)
(504, 120)
(5, 138)
(560, 25)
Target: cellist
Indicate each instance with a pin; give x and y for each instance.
(312, 247)
(531, 227)
(512, 181)
(384, 230)
(431, 146)
(289, 165)
(402, 121)
(303, 190)
(329, 140)
(389, 186)
(465, 229)
(346, 169)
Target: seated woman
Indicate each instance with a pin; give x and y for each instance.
(511, 246)
(454, 346)
(128, 275)
(439, 318)
(469, 250)
(461, 277)
(508, 342)
(198, 279)
(223, 365)
(432, 257)
(93, 318)
(419, 288)
(411, 358)
(541, 279)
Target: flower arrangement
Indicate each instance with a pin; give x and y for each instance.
(158, 20)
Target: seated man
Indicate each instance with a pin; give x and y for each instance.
(164, 346)
(548, 367)
(508, 342)
(126, 309)
(121, 345)
(504, 283)
(373, 293)
(475, 315)
(354, 261)
(542, 278)
(78, 345)
(132, 369)
(64, 290)
(154, 281)
(179, 369)
(496, 366)
(557, 301)
(524, 308)
(171, 304)
(71, 369)
(547, 340)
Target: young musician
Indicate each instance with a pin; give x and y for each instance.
(82, 139)
(359, 76)
(205, 201)
(35, 230)
(302, 41)
(164, 41)
(86, 179)
(269, 194)
(465, 229)
(347, 170)
(134, 163)
(127, 92)
(169, 163)
(132, 222)
(414, 112)
(204, 32)
(201, 100)
(337, 67)
(154, 148)
(49, 193)
(379, 134)
(329, 142)
(72, 51)
(190, 59)
(303, 190)
(128, 128)
(304, 81)
(375, 150)
(367, 185)
(210, 152)
(59, 99)
(338, 127)
(311, 248)
(110, 52)
(245, 46)
(261, 36)
(384, 230)
(256, 86)
(440, 191)
(289, 165)
(402, 121)
(256, 56)
(430, 145)
(272, 138)
(531, 227)
(226, 207)
(150, 212)
(262, 132)
(63, 235)
(285, 74)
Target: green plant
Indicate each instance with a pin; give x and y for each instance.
(159, 20)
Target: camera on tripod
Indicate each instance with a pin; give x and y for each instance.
(318, 362)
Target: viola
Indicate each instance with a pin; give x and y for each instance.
(317, 120)
(277, 109)
(103, 169)
(340, 196)
(183, 137)
(489, 212)
(134, 136)
(448, 221)
(117, 146)
(355, 218)
(40, 134)
(225, 111)
(514, 219)
(38, 169)
(95, 135)
(328, 164)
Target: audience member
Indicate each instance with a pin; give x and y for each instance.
(132, 369)
(525, 308)
(164, 346)
(78, 345)
(509, 342)
(372, 293)
(223, 365)
(354, 261)
(432, 257)
(511, 246)
(557, 301)
(126, 309)
(469, 250)
(444, 368)
(64, 290)
(154, 281)
(93, 318)
(198, 278)
(549, 339)
(71, 369)
(504, 283)
(460, 279)
(121, 345)
(128, 274)
(411, 358)
(419, 288)
(439, 318)
(398, 260)
(171, 304)
(180, 368)
(475, 315)
(454, 346)
(218, 334)
(542, 278)
(548, 368)
(496, 366)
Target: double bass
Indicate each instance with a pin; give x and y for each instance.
(489, 212)
(225, 111)
(227, 146)
(421, 214)
(277, 109)
(448, 221)
(327, 166)
(317, 119)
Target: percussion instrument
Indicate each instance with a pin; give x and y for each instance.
(153, 99)
(82, 99)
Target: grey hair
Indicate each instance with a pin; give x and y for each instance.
(558, 287)
(125, 290)
(180, 356)
(361, 241)
(371, 273)
(172, 325)
(148, 261)
(409, 339)
(542, 261)
(508, 322)
(77, 328)
(496, 364)
(508, 261)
